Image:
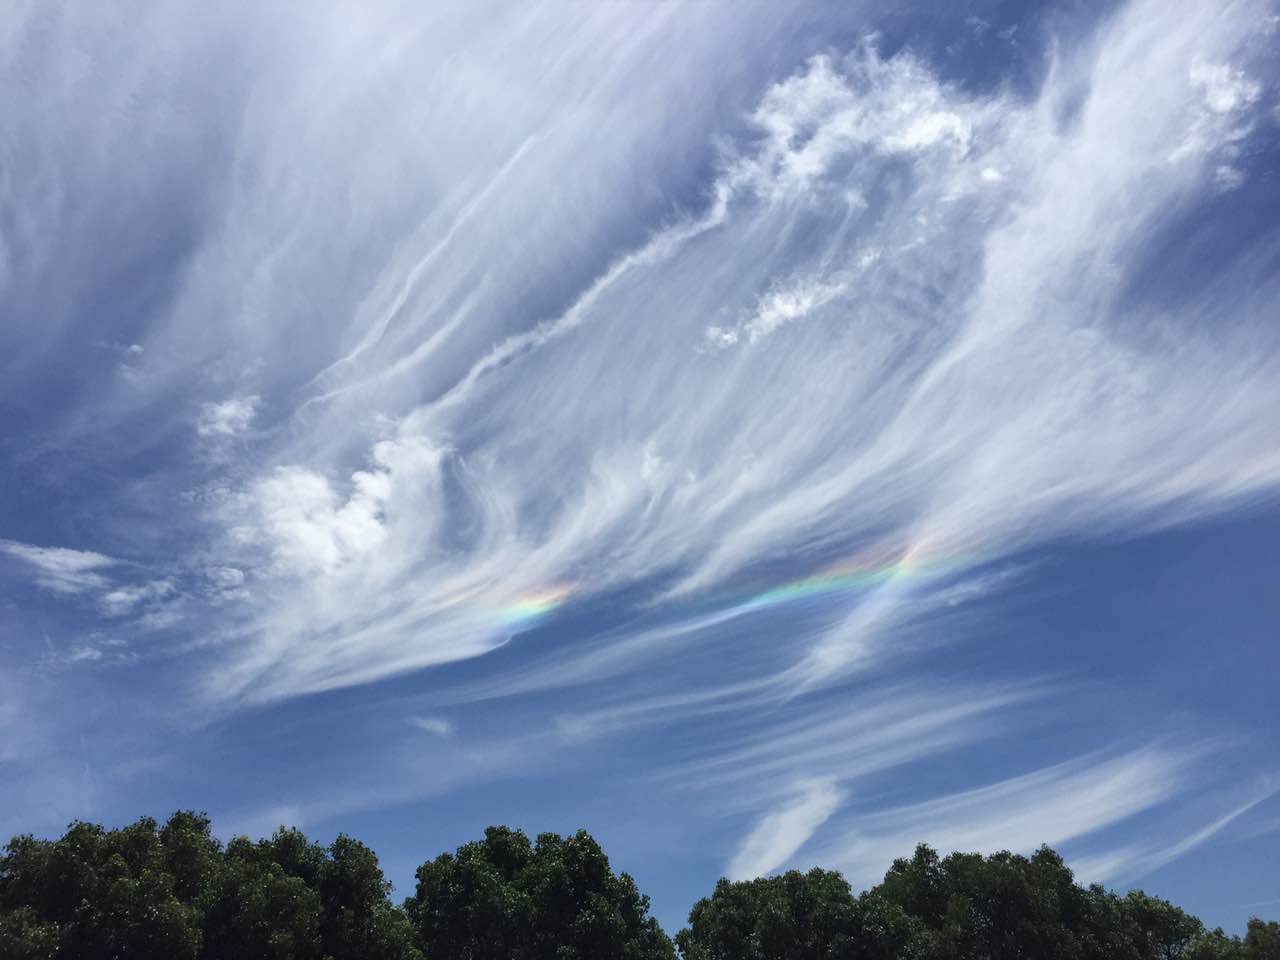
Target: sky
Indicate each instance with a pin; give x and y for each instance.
(764, 435)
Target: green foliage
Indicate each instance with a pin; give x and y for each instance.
(1159, 929)
(174, 892)
(1214, 945)
(24, 936)
(106, 894)
(558, 899)
(1262, 940)
(1003, 906)
(796, 916)
(961, 907)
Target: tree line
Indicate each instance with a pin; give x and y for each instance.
(174, 892)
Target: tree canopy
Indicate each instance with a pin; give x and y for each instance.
(556, 899)
(175, 892)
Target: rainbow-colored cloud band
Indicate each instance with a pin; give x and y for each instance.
(535, 606)
(856, 573)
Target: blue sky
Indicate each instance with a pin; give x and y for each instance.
(765, 436)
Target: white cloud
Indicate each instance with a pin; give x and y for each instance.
(783, 303)
(1049, 806)
(930, 130)
(501, 387)
(1134, 862)
(93, 575)
(786, 303)
(311, 527)
(228, 418)
(816, 119)
(433, 725)
(782, 832)
(981, 392)
(122, 600)
(1225, 89)
(226, 578)
(61, 569)
(1227, 177)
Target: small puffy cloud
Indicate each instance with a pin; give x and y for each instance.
(1219, 114)
(227, 419)
(931, 130)
(312, 529)
(1227, 178)
(122, 600)
(814, 119)
(718, 336)
(1225, 89)
(61, 569)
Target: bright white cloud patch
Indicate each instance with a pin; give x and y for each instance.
(1225, 88)
(228, 418)
(312, 528)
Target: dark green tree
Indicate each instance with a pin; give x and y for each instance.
(1160, 930)
(24, 936)
(286, 897)
(357, 921)
(504, 898)
(173, 892)
(797, 916)
(959, 907)
(1215, 945)
(107, 894)
(260, 909)
(1262, 940)
(1001, 907)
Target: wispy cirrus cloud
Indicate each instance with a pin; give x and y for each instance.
(930, 278)
(958, 323)
(1053, 805)
(61, 569)
(1135, 862)
(781, 833)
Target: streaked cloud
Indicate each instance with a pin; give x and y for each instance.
(61, 569)
(781, 833)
